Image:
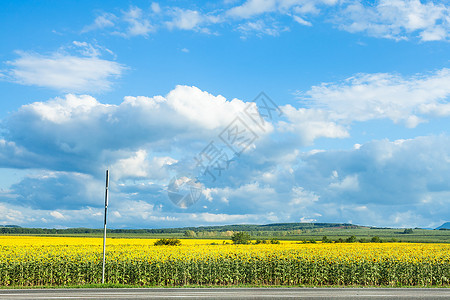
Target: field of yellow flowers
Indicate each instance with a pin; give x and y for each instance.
(36, 261)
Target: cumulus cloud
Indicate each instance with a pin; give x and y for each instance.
(376, 96)
(274, 181)
(55, 190)
(386, 183)
(55, 131)
(408, 176)
(139, 165)
(65, 72)
(310, 124)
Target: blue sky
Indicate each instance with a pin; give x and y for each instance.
(143, 87)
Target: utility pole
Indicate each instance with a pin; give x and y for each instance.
(104, 233)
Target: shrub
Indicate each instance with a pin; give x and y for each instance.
(376, 239)
(351, 239)
(325, 239)
(168, 242)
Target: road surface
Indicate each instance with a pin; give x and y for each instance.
(229, 293)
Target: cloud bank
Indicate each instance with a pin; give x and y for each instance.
(69, 141)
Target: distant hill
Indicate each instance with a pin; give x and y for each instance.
(10, 226)
(444, 226)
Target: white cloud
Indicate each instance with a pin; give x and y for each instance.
(398, 19)
(185, 19)
(223, 218)
(13, 155)
(141, 127)
(310, 124)
(203, 108)
(10, 215)
(154, 135)
(138, 24)
(155, 7)
(50, 190)
(259, 27)
(383, 182)
(140, 165)
(303, 198)
(398, 183)
(251, 8)
(375, 96)
(349, 183)
(135, 166)
(64, 72)
(63, 110)
(133, 22)
(103, 21)
(87, 49)
(57, 215)
(302, 21)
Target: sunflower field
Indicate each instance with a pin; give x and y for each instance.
(59, 261)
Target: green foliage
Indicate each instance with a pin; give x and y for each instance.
(408, 231)
(168, 242)
(351, 239)
(376, 239)
(325, 239)
(272, 241)
(190, 233)
(240, 238)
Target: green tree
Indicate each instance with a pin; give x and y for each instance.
(376, 239)
(240, 238)
(325, 239)
(351, 239)
(190, 233)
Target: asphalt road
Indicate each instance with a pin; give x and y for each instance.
(229, 293)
